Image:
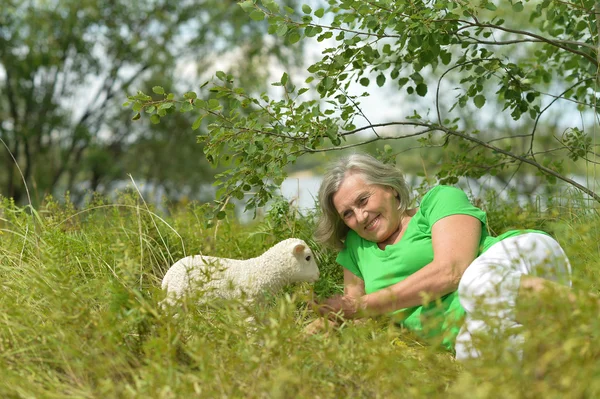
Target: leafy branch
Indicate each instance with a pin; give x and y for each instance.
(405, 45)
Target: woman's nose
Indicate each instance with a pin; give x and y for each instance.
(361, 215)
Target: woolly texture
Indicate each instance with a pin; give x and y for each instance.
(289, 261)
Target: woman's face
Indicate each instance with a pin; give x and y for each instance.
(370, 210)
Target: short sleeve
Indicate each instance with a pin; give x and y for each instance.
(442, 201)
(347, 256)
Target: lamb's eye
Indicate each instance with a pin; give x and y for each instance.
(308, 258)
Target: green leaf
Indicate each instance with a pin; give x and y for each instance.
(581, 26)
(380, 80)
(197, 122)
(416, 77)
(221, 75)
(294, 37)
(306, 9)
(479, 100)
(257, 15)
(247, 5)
(421, 89)
(158, 90)
(234, 103)
(310, 31)
(446, 57)
(364, 81)
(271, 6)
(213, 104)
(490, 6)
(186, 107)
(517, 7)
(319, 13)
(136, 117)
(155, 119)
(190, 95)
(282, 29)
(284, 79)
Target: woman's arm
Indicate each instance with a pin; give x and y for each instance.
(354, 286)
(455, 242)
(354, 290)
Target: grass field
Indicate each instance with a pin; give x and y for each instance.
(79, 316)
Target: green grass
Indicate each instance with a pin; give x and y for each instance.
(79, 316)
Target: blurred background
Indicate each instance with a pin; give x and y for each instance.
(67, 67)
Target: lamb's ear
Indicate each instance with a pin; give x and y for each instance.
(299, 249)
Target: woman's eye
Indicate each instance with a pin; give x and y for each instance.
(363, 200)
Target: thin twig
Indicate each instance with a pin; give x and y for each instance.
(536, 36)
(361, 112)
(344, 147)
(537, 119)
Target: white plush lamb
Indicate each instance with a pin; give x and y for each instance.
(287, 262)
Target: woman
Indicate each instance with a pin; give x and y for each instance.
(435, 265)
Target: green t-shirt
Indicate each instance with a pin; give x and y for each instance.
(380, 269)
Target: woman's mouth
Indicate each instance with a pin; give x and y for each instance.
(372, 223)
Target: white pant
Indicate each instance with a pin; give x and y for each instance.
(489, 287)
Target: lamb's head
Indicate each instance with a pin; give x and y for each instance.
(301, 262)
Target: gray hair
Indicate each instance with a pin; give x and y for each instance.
(331, 229)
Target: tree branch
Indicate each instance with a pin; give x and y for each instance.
(516, 136)
(437, 91)
(432, 127)
(525, 160)
(597, 15)
(339, 148)
(536, 36)
(10, 95)
(517, 41)
(537, 119)
(360, 129)
(360, 111)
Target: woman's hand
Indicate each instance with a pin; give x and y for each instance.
(339, 305)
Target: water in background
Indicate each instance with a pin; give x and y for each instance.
(302, 190)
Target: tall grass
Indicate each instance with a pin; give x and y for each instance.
(79, 316)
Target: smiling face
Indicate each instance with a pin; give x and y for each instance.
(370, 210)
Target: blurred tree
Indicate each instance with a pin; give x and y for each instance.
(65, 67)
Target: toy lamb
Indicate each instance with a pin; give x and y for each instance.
(289, 261)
